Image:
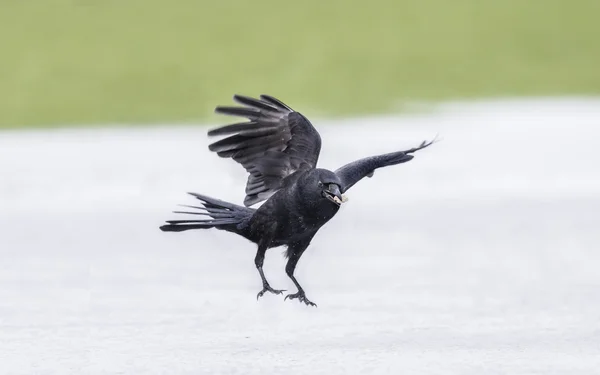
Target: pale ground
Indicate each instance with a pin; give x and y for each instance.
(480, 256)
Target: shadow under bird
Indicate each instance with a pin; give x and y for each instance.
(279, 148)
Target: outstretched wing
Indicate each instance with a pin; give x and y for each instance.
(353, 172)
(275, 143)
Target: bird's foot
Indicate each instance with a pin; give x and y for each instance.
(300, 296)
(267, 288)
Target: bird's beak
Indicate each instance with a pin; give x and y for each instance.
(333, 194)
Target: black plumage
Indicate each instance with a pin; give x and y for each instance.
(279, 148)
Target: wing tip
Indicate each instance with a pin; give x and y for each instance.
(274, 101)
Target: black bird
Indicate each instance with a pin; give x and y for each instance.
(279, 148)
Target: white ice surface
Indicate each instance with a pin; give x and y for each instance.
(480, 256)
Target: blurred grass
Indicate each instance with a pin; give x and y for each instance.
(143, 61)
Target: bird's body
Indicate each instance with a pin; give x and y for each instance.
(279, 148)
(298, 216)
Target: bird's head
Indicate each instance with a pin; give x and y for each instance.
(329, 185)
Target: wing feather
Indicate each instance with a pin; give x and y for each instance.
(275, 143)
(353, 172)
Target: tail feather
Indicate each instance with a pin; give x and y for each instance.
(213, 215)
(181, 228)
(209, 222)
(221, 215)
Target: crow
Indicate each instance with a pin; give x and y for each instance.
(279, 148)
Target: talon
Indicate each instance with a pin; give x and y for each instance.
(301, 298)
(267, 288)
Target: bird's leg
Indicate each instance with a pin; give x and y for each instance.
(258, 260)
(295, 253)
(300, 295)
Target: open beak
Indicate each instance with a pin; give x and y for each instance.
(333, 194)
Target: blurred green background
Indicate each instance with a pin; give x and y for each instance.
(149, 61)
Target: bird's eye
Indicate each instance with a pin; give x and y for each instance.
(320, 184)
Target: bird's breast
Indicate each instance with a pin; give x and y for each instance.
(318, 216)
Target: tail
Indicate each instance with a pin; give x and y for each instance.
(222, 215)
